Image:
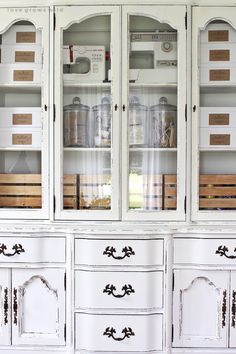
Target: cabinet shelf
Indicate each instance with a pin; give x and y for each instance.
(84, 149)
(21, 148)
(153, 149)
(215, 149)
(20, 88)
(163, 88)
(74, 84)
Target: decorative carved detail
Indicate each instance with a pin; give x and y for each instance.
(15, 306)
(224, 309)
(222, 250)
(127, 290)
(127, 333)
(5, 306)
(233, 308)
(18, 249)
(128, 251)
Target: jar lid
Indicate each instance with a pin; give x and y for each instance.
(163, 106)
(76, 106)
(134, 103)
(105, 104)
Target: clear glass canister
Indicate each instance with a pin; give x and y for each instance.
(164, 124)
(138, 123)
(76, 124)
(102, 123)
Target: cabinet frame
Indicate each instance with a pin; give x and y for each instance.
(202, 16)
(66, 16)
(163, 14)
(39, 17)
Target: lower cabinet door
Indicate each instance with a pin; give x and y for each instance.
(38, 307)
(232, 341)
(200, 308)
(122, 333)
(5, 306)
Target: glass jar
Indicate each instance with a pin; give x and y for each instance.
(164, 124)
(102, 123)
(76, 124)
(138, 123)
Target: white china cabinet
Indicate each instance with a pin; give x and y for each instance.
(213, 116)
(24, 107)
(104, 108)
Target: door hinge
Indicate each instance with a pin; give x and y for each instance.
(54, 112)
(185, 204)
(186, 20)
(54, 204)
(65, 332)
(54, 21)
(172, 337)
(186, 112)
(65, 281)
(173, 282)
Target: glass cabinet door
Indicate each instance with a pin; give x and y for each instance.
(214, 114)
(87, 93)
(153, 108)
(24, 119)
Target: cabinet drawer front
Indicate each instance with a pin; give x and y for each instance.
(29, 249)
(119, 252)
(217, 137)
(127, 290)
(205, 251)
(217, 117)
(118, 332)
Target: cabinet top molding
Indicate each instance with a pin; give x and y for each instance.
(34, 3)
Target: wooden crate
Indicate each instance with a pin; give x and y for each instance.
(153, 192)
(217, 192)
(94, 192)
(20, 190)
(70, 191)
(170, 192)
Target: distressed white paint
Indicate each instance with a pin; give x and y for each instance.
(197, 308)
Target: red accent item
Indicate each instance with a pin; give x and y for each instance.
(107, 56)
(71, 53)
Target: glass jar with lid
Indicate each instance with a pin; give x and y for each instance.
(76, 124)
(138, 123)
(102, 123)
(164, 124)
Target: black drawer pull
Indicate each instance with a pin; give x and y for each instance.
(127, 290)
(15, 306)
(127, 333)
(128, 251)
(6, 306)
(222, 250)
(18, 249)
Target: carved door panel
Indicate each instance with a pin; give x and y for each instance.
(5, 306)
(200, 303)
(38, 307)
(232, 340)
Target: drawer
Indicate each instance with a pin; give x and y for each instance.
(18, 34)
(221, 117)
(218, 75)
(108, 333)
(217, 137)
(218, 32)
(126, 290)
(21, 53)
(205, 251)
(32, 249)
(18, 137)
(218, 53)
(26, 73)
(119, 252)
(16, 117)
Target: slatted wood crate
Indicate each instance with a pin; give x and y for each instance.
(170, 192)
(94, 191)
(70, 191)
(153, 192)
(217, 192)
(20, 190)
